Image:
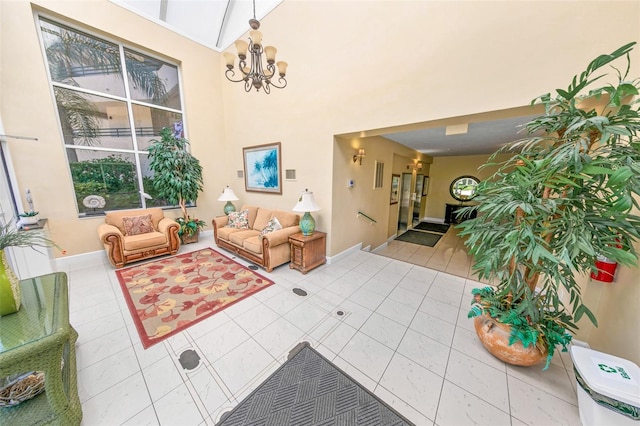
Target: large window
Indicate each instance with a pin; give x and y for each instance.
(112, 101)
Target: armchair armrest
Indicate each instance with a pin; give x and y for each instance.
(165, 223)
(112, 239)
(280, 236)
(106, 230)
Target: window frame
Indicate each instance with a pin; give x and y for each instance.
(136, 152)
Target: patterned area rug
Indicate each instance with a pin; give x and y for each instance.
(309, 390)
(168, 295)
(420, 237)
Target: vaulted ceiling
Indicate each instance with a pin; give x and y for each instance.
(212, 23)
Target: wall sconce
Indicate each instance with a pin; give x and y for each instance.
(416, 166)
(359, 156)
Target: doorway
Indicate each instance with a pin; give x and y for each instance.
(417, 203)
(405, 202)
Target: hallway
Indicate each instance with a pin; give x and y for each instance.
(448, 255)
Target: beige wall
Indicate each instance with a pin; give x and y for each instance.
(443, 171)
(354, 66)
(362, 197)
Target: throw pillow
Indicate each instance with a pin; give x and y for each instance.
(135, 225)
(272, 225)
(239, 220)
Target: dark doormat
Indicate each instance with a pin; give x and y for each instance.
(440, 228)
(420, 237)
(309, 390)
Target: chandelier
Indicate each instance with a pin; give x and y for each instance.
(256, 74)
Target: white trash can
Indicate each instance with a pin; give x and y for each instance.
(608, 388)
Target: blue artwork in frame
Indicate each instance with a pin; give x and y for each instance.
(262, 168)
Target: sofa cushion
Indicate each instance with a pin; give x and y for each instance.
(253, 244)
(262, 219)
(135, 225)
(239, 237)
(224, 233)
(286, 218)
(239, 220)
(144, 241)
(273, 225)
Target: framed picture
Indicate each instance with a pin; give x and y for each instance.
(425, 186)
(262, 168)
(395, 189)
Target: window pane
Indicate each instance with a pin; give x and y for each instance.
(152, 81)
(90, 120)
(147, 182)
(109, 175)
(80, 60)
(149, 122)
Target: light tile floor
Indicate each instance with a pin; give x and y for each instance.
(404, 335)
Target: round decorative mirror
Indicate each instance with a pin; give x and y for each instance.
(463, 188)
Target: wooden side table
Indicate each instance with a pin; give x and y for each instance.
(39, 338)
(308, 252)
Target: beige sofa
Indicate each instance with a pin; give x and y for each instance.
(268, 251)
(122, 248)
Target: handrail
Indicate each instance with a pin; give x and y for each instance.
(368, 217)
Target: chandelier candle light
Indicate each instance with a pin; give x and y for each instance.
(228, 195)
(255, 74)
(306, 204)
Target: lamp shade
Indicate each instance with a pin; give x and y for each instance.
(228, 195)
(306, 203)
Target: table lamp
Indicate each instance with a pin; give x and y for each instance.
(228, 195)
(306, 204)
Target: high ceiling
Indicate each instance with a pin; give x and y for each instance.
(212, 23)
(218, 23)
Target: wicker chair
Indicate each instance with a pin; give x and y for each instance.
(132, 235)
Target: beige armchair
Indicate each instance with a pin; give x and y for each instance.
(132, 235)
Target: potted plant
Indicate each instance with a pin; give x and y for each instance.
(11, 236)
(177, 178)
(563, 199)
(28, 218)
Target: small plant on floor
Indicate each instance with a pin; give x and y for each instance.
(561, 201)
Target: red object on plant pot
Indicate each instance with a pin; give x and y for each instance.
(606, 270)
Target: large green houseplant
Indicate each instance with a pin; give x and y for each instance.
(177, 177)
(563, 198)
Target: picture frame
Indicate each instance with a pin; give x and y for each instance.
(395, 189)
(425, 186)
(263, 168)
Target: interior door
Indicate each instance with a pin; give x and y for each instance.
(405, 202)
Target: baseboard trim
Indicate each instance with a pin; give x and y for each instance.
(343, 254)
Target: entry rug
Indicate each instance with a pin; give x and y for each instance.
(309, 390)
(440, 228)
(420, 237)
(168, 295)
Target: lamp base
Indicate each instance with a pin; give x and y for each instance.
(229, 207)
(307, 224)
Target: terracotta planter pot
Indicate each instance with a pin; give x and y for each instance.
(495, 338)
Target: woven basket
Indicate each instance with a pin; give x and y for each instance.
(22, 388)
(188, 239)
